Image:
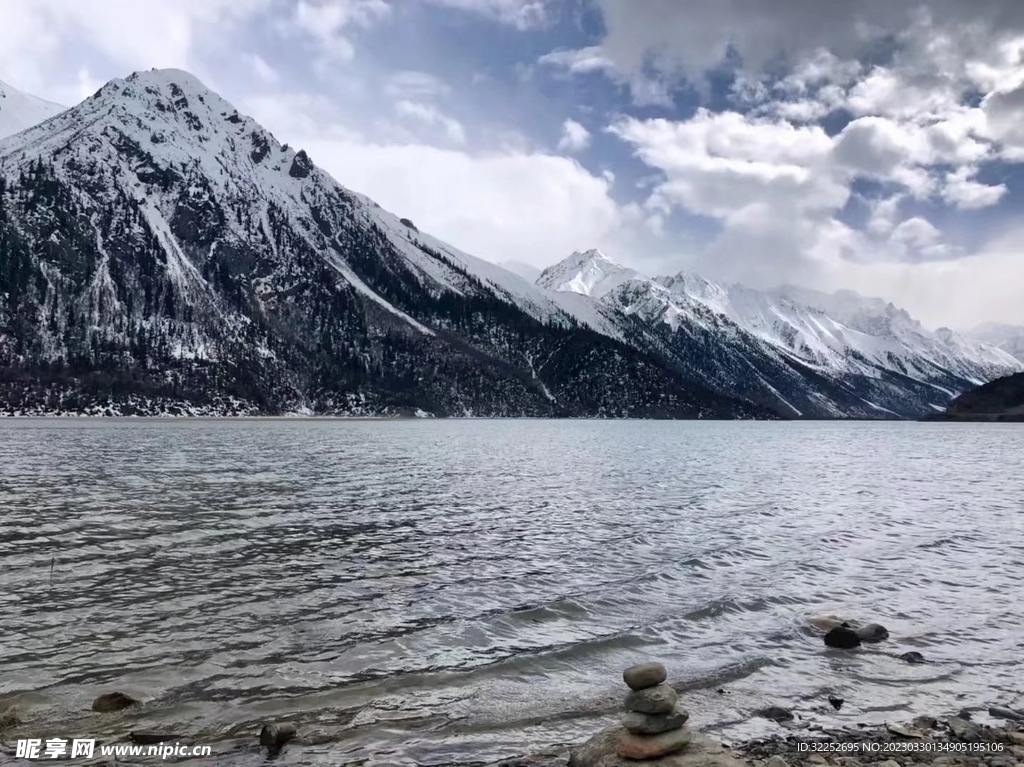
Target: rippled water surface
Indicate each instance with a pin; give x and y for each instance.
(420, 592)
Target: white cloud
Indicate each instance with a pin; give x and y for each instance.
(720, 164)
(513, 204)
(645, 90)
(521, 14)
(579, 60)
(575, 138)
(263, 70)
(916, 233)
(529, 207)
(777, 189)
(326, 20)
(430, 115)
(953, 292)
(1004, 115)
(157, 33)
(415, 85)
(963, 192)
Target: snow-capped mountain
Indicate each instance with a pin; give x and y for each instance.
(1009, 338)
(811, 353)
(160, 250)
(157, 246)
(19, 110)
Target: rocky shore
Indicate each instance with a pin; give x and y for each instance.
(655, 729)
(954, 741)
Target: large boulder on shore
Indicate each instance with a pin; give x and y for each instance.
(602, 750)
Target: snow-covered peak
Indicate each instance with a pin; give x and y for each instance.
(19, 110)
(587, 272)
(162, 125)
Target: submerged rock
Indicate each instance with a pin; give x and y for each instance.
(873, 632)
(10, 718)
(1006, 713)
(654, 724)
(113, 701)
(775, 713)
(644, 675)
(274, 736)
(660, 699)
(150, 738)
(653, 746)
(842, 638)
(912, 657)
(826, 622)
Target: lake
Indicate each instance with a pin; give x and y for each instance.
(431, 592)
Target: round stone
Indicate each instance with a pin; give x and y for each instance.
(660, 699)
(644, 675)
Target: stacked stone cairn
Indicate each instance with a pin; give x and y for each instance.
(654, 722)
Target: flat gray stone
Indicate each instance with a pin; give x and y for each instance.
(602, 751)
(660, 699)
(644, 675)
(653, 724)
(776, 761)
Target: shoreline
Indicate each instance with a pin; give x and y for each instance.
(949, 741)
(945, 741)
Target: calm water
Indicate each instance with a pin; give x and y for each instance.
(416, 592)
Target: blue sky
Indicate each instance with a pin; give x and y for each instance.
(868, 145)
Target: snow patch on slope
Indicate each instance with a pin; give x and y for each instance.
(19, 110)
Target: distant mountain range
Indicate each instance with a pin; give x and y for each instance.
(807, 353)
(19, 111)
(160, 252)
(1009, 338)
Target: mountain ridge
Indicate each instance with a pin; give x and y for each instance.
(157, 245)
(874, 344)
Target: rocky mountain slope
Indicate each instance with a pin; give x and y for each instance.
(19, 110)
(999, 400)
(807, 353)
(160, 252)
